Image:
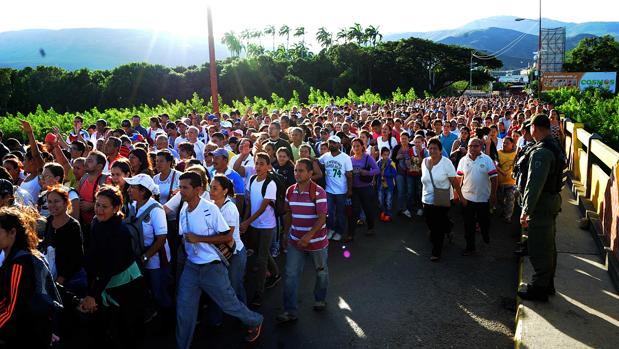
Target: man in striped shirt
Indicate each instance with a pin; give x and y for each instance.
(306, 214)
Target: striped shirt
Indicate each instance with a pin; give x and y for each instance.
(304, 213)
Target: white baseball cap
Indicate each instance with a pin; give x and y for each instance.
(335, 139)
(144, 180)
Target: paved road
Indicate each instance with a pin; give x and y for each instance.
(388, 294)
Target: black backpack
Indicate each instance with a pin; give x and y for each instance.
(134, 225)
(280, 196)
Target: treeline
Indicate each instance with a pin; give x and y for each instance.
(410, 63)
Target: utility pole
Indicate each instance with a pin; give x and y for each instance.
(212, 62)
(471, 72)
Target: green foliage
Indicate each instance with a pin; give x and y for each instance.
(597, 54)
(597, 109)
(361, 62)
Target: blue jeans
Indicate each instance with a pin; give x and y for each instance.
(214, 280)
(160, 280)
(236, 273)
(385, 200)
(295, 260)
(405, 191)
(337, 212)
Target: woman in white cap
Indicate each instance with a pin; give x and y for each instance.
(155, 260)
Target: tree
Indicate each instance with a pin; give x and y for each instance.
(300, 32)
(372, 36)
(324, 38)
(257, 34)
(254, 50)
(246, 35)
(270, 30)
(285, 31)
(597, 54)
(355, 33)
(233, 43)
(342, 36)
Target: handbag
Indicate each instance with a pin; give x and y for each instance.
(366, 179)
(442, 197)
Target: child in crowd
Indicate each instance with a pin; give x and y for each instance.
(385, 182)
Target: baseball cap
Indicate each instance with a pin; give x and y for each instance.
(219, 152)
(211, 117)
(335, 139)
(238, 133)
(6, 187)
(226, 124)
(50, 138)
(541, 120)
(144, 180)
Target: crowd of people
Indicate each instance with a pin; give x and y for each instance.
(190, 216)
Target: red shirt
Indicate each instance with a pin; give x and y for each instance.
(304, 212)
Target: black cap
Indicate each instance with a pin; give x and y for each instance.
(540, 120)
(6, 187)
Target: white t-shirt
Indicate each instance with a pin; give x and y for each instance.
(154, 133)
(441, 173)
(154, 224)
(248, 164)
(476, 176)
(198, 147)
(335, 169)
(32, 187)
(178, 141)
(204, 220)
(231, 216)
(389, 144)
(267, 219)
(175, 201)
(164, 188)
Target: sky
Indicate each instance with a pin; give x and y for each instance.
(188, 17)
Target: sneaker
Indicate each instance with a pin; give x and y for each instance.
(420, 212)
(336, 237)
(330, 234)
(285, 318)
(253, 333)
(320, 305)
(407, 213)
(272, 281)
(360, 222)
(387, 218)
(382, 216)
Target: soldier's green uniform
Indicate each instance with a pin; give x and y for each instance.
(542, 204)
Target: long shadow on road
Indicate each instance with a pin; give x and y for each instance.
(387, 294)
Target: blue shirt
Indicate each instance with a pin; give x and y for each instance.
(447, 142)
(235, 177)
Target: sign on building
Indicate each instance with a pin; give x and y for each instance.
(606, 80)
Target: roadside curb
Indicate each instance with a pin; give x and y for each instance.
(519, 307)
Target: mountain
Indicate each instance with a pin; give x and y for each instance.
(98, 48)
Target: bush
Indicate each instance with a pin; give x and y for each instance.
(597, 109)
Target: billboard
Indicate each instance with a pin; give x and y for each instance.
(514, 79)
(553, 81)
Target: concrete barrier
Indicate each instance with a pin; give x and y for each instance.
(594, 168)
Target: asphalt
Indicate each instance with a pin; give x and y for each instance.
(388, 294)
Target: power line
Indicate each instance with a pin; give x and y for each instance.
(503, 50)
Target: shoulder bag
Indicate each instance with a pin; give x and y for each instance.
(441, 196)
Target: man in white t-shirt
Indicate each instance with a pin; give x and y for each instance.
(338, 175)
(198, 146)
(202, 225)
(478, 178)
(259, 227)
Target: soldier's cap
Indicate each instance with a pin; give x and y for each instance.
(526, 125)
(540, 120)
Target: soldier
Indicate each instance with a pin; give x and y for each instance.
(541, 204)
(520, 174)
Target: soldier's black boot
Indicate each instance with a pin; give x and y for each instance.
(532, 293)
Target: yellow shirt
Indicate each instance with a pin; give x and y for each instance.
(506, 164)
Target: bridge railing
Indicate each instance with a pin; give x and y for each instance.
(595, 173)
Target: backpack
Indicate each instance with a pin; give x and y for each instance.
(134, 225)
(46, 300)
(280, 196)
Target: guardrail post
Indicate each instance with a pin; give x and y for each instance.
(576, 145)
(590, 164)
